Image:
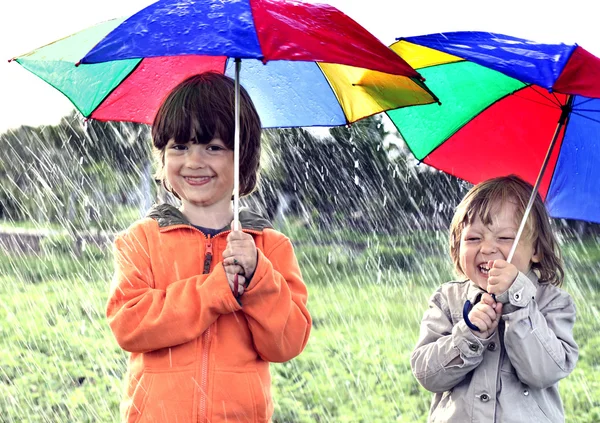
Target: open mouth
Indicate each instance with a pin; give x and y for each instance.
(483, 268)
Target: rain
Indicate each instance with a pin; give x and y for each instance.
(369, 225)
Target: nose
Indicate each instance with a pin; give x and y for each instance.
(195, 158)
(489, 246)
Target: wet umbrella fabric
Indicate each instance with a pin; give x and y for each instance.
(311, 64)
(504, 101)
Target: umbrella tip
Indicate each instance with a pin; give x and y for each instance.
(10, 60)
(77, 64)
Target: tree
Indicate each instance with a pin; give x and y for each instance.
(353, 176)
(74, 173)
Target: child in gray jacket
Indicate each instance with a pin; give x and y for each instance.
(503, 361)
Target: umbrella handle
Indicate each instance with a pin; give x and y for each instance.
(236, 149)
(467, 308)
(236, 286)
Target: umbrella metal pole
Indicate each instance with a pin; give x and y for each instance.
(566, 110)
(236, 149)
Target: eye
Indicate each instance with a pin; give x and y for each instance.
(471, 238)
(179, 147)
(215, 148)
(506, 238)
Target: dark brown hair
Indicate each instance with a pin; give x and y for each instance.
(202, 107)
(483, 201)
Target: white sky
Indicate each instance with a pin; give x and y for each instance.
(28, 24)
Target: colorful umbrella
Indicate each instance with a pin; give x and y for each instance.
(509, 106)
(311, 64)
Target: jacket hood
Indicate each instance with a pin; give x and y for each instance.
(168, 215)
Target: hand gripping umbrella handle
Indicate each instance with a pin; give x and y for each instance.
(467, 308)
(236, 285)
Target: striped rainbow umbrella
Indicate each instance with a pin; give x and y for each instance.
(509, 106)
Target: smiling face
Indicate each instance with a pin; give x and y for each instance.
(200, 174)
(202, 108)
(480, 243)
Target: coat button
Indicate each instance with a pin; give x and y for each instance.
(492, 346)
(525, 392)
(484, 397)
(473, 347)
(517, 297)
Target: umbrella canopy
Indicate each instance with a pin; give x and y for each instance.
(311, 64)
(509, 106)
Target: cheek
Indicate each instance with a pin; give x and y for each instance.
(170, 170)
(463, 258)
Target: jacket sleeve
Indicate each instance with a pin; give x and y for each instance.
(445, 353)
(540, 343)
(143, 318)
(275, 304)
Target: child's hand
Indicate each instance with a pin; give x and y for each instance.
(230, 272)
(240, 255)
(501, 276)
(486, 315)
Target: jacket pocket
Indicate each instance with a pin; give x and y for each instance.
(239, 396)
(519, 400)
(133, 407)
(169, 397)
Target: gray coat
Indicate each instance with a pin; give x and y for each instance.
(513, 375)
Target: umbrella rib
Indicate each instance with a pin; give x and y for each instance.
(137, 65)
(334, 93)
(555, 97)
(573, 112)
(545, 104)
(587, 100)
(557, 104)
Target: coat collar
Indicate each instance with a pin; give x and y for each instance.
(167, 215)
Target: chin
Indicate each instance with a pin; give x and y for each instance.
(482, 283)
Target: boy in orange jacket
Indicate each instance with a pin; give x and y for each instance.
(199, 353)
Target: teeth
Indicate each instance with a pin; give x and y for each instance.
(484, 269)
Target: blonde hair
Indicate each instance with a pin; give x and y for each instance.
(483, 201)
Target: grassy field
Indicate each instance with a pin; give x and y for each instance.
(59, 362)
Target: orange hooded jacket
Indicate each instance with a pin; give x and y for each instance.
(197, 355)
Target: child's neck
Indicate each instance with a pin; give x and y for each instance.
(215, 216)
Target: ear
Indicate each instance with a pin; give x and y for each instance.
(535, 258)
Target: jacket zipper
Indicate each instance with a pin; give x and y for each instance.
(208, 255)
(204, 381)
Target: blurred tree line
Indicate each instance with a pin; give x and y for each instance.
(354, 177)
(79, 174)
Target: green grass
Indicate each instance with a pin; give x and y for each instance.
(59, 361)
(121, 219)
(30, 225)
